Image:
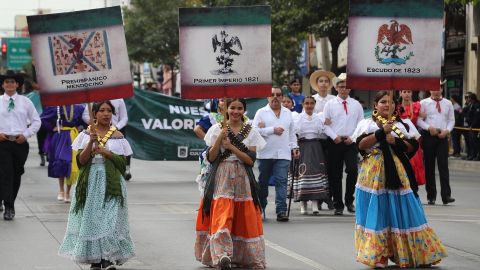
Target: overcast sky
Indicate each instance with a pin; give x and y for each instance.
(10, 8)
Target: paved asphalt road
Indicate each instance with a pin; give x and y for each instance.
(163, 198)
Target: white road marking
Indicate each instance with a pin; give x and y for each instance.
(296, 256)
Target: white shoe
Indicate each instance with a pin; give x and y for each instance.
(66, 199)
(303, 208)
(61, 196)
(315, 208)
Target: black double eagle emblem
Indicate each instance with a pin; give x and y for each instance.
(225, 46)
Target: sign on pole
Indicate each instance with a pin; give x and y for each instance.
(80, 56)
(18, 53)
(225, 52)
(395, 44)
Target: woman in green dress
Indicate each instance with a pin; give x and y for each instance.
(97, 230)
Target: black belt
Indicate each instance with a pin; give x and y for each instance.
(308, 140)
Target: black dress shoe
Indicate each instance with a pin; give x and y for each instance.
(9, 214)
(282, 217)
(96, 266)
(225, 263)
(42, 160)
(431, 202)
(351, 208)
(108, 265)
(330, 204)
(338, 212)
(448, 200)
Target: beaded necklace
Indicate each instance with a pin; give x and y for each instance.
(69, 118)
(384, 122)
(107, 136)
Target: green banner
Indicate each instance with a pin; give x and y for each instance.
(161, 127)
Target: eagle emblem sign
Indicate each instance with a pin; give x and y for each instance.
(226, 51)
(393, 44)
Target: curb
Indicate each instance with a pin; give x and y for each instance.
(463, 165)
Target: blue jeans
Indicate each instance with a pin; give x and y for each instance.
(278, 168)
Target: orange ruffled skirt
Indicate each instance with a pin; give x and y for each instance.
(234, 226)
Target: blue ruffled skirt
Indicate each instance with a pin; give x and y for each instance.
(391, 224)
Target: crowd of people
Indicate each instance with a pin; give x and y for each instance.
(302, 145)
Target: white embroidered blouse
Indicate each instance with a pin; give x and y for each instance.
(253, 139)
(367, 126)
(117, 145)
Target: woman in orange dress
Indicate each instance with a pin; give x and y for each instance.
(229, 224)
(411, 110)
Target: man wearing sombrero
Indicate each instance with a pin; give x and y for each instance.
(19, 121)
(321, 81)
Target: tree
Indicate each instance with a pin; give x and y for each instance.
(151, 30)
(322, 18)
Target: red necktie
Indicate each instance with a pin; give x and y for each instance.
(345, 106)
(439, 109)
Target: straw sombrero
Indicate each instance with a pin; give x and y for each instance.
(317, 74)
(341, 78)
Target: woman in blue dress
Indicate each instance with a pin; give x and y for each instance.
(390, 221)
(97, 230)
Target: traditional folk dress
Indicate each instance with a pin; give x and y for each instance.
(412, 111)
(97, 225)
(229, 219)
(62, 123)
(312, 183)
(390, 222)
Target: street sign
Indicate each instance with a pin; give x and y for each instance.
(19, 52)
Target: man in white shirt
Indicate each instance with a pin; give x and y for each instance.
(344, 113)
(19, 121)
(321, 81)
(436, 126)
(275, 124)
(119, 119)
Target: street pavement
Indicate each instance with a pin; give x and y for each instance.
(162, 201)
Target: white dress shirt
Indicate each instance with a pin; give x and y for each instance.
(119, 119)
(278, 146)
(444, 120)
(310, 126)
(23, 119)
(343, 123)
(321, 101)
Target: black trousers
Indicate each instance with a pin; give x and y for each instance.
(339, 154)
(456, 136)
(474, 143)
(41, 136)
(124, 132)
(435, 148)
(12, 160)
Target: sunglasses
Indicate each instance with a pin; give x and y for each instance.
(276, 94)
